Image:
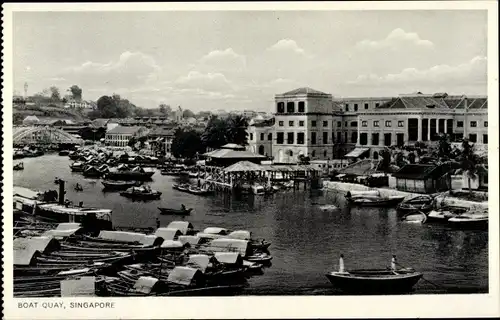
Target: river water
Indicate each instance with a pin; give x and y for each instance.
(306, 241)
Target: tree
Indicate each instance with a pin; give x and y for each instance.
(186, 144)
(471, 164)
(165, 109)
(385, 162)
(303, 159)
(237, 130)
(54, 94)
(444, 147)
(215, 134)
(187, 114)
(131, 143)
(76, 92)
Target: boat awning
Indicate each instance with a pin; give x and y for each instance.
(145, 284)
(61, 233)
(183, 275)
(356, 152)
(228, 257)
(191, 240)
(215, 230)
(26, 248)
(168, 233)
(199, 261)
(183, 226)
(171, 244)
(240, 234)
(229, 245)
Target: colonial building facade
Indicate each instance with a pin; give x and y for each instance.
(314, 124)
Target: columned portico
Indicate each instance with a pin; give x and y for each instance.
(419, 129)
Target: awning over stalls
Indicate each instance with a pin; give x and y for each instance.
(357, 152)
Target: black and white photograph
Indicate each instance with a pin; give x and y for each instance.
(248, 153)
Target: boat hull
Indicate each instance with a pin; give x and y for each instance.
(381, 284)
(469, 224)
(127, 176)
(376, 203)
(175, 211)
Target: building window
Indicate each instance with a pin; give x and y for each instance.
(339, 124)
(290, 107)
(375, 123)
(270, 137)
(485, 138)
(262, 136)
(473, 137)
(251, 136)
(313, 153)
(366, 106)
(355, 107)
(313, 123)
(346, 107)
(377, 105)
(333, 137)
(313, 137)
(302, 106)
(345, 136)
(387, 139)
(363, 139)
(486, 124)
(345, 124)
(364, 123)
(354, 124)
(261, 150)
(325, 153)
(300, 138)
(473, 124)
(354, 137)
(460, 124)
(401, 123)
(289, 138)
(339, 137)
(280, 138)
(290, 153)
(290, 123)
(400, 137)
(325, 137)
(281, 123)
(375, 140)
(281, 107)
(388, 123)
(325, 123)
(301, 123)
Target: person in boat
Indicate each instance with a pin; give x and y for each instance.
(183, 207)
(341, 263)
(157, 223)
(393, 263)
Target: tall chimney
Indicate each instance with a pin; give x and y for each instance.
(61, 191)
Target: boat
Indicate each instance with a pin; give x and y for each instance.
(442, 215)
(470, 220)
(193, 174)
(129, 175)
(142, 193)
(166, 172)
(182, 212)
(415, 217)
(181, 187)
(92, 172)
(78, 187)
(261, 257)
(417, 204)
(64, 152)
(76, 166)
(119, 185)
(374, 281)
(377, 201)
(19, 166)
(199, 191)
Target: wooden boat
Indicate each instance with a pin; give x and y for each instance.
(175, 211)
(418, 204)
(129, 175)
(181, 187)
(19, 166)
(369, 201)
(141, 193)
(64, 152)
(199, 191)
(262, 258)
(92, 172)
(374, 281)
(442, 215)
(76, 166)
(415, 217)
(165, 172)
(470, 221)
(120, 185)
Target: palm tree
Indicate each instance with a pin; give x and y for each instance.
(215, 134)
(471, 164)
(237, 130)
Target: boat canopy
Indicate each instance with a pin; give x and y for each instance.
(229, 245)
(68, 226)
(26, 248)
(168, 233)
(208, 235)
(61, 233)
(104, 214)
(183, 226)
(199, 261)
(240, 234)
(184, 275)
(25, 193)
(145, 284)
(191, 240)
(171, 244)
(229, 258)
(73, 272)
(128, 237)
(216, 230)
(366, 193)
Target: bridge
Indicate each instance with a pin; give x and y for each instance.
(42, 135)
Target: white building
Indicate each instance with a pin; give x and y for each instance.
(120, 136)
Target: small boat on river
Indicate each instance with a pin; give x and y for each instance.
(19, 166)
(374, 281)
(181, 187)
(470, 220)
(417, 204)
(141, 193)
(77, 166)
(373, 201)
(199, 191)
(171, 211)
(64, 152)
(137, 174)
(119, 185)
(444, 214)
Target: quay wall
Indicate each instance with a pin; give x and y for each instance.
(385, 192)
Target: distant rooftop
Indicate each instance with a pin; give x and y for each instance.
(124, 130)
(304, 91)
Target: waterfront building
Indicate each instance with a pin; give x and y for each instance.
(260, 136)
(314, 124)
(119, 136)
(166, 135)
(423, 178)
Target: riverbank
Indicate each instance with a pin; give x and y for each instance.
(386, 192)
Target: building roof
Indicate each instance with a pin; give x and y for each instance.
(363, 167)
(356, 152)
(124, 130)
(233, 146)
(304, 90)
(435, 101)
(244, 166)
(233, 154)
(162, 131)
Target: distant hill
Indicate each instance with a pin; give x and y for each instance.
(22, 111)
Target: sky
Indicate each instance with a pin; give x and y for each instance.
(238, 60)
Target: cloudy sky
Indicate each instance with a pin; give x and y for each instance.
(240, 59)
